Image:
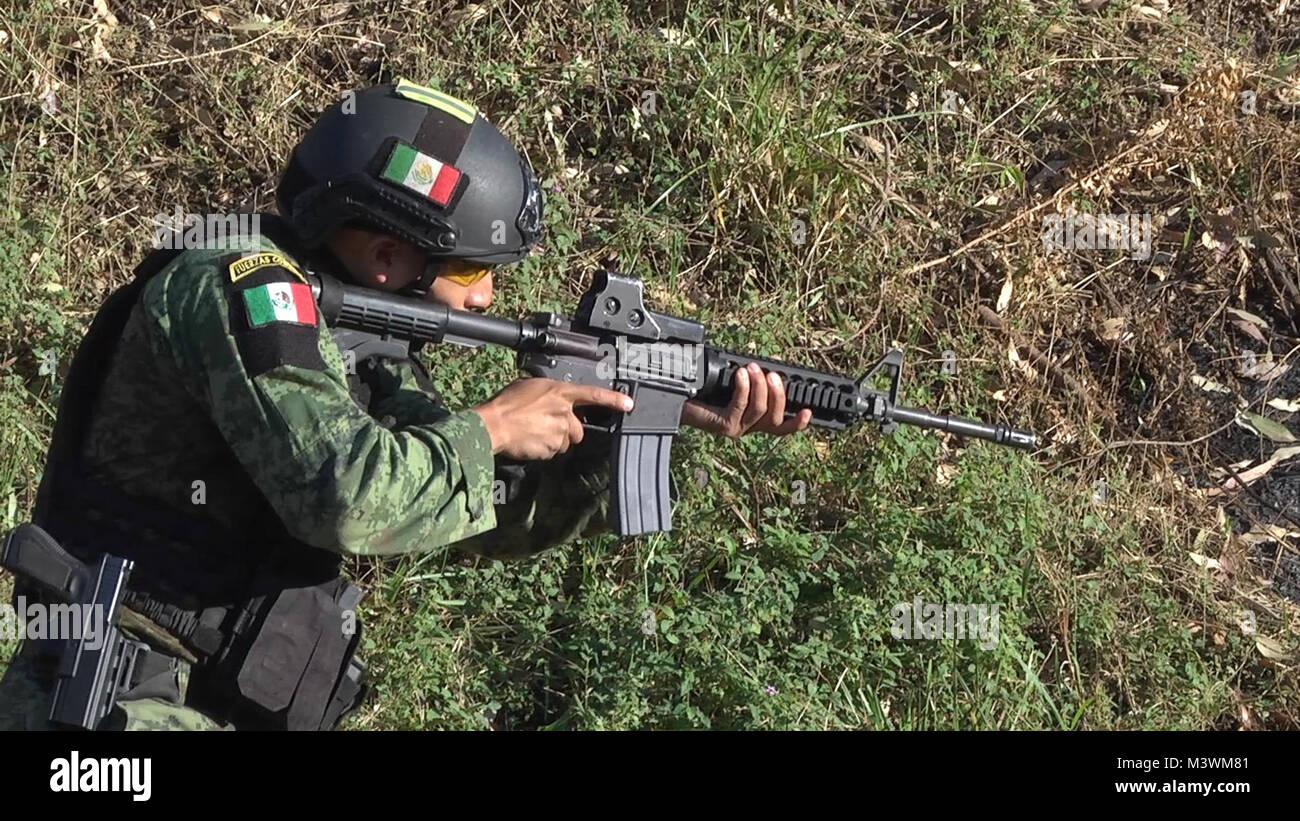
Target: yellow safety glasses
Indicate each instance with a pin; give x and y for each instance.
(462, 272)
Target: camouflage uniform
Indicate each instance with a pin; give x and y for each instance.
(262, 415)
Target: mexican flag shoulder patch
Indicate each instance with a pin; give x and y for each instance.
(280, 302)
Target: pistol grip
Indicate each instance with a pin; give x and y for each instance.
(29, 552)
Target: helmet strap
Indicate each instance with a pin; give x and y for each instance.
(420, 287)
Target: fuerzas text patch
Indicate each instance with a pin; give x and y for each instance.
(244, 266)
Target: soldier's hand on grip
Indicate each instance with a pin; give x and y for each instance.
(757, 406)
(533, 418)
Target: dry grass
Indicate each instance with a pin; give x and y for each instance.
(918, 225)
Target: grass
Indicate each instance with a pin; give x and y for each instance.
(796, 164)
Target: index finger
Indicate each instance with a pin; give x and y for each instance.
(592, 395)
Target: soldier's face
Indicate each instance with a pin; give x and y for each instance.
(388, 264)
(474, 297)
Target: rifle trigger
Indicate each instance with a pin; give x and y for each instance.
(597, 419)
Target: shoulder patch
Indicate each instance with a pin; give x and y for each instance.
(273, 314)
(279, 302)
(243, 266)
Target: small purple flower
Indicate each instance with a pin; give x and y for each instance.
(770, 690)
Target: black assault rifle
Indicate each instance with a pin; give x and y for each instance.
(614, 341)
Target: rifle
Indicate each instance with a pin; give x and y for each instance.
(614, 341)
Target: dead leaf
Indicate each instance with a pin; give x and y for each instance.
(1024, 368)
(1279, 456)
(1201, 536)
(1267, 428)
(1156, 129)
(1249, 317)
(1209, 384)
(1112, 329)
(1264, 533)
(1249, 330)
(470, 14)
(105, 22)
(1288, 405)
(102, 12)
(1204, 561)
(1263, 369)
(1271, 649)
(1004, 298)
(1288, 93)
(1220, 473)
(875, 145)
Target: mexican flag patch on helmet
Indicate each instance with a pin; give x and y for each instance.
(280, 302)
(422, 174)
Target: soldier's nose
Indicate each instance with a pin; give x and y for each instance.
(479, 295)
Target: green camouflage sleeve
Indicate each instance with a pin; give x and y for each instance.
(538, 505)
(247, 340)
(396, 393)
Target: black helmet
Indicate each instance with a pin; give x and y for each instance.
(418, 164)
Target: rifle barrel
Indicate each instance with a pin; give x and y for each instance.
(1000, 434)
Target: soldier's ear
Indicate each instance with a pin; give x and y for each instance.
(351, 247)
(382, 252)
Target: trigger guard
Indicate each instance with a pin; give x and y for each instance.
(596, 419)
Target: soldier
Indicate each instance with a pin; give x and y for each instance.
(213, 432)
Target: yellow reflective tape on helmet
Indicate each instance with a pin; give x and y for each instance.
(459, 109)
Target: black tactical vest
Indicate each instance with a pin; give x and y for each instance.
(262, 614)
